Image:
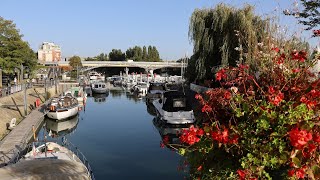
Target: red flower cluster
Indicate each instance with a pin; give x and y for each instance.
(206, 108)
(316, 32)
(276, 49)
(281, 58)
(299, 55)
(275, 97)
(299, 138)
(221, 74)
(300, 173)
(227, 95)
(191, 135)
(223, 137)
(310, 98)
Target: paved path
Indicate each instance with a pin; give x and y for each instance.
(19, 137)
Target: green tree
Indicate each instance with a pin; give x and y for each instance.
(117, 55)
(155, 54)
(130, 53)
(217, 32)
(144, 54)
(102, 57)
(309, 16)
(14, 52)
(75, 61)
(150, 54)
(137, 53)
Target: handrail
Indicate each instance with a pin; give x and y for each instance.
(83, 159)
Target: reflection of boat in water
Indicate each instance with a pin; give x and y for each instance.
(100, 97)
(151, 109)
(61, 128)
(169, 133)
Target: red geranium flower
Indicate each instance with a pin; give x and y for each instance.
(221, 74)
(299, 138)
(242, 174)
(291, 172)
(300, 173)
(227, 95)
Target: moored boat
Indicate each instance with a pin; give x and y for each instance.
(62, 107)
(99, 87)
(155, 90)
(173, 108)
(50, 160)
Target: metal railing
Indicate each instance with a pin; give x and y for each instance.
(13, 89)
(17, 155)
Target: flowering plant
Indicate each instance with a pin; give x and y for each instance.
(265, 121)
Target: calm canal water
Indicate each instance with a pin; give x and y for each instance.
(120, 139)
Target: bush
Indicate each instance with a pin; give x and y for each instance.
(261, 124)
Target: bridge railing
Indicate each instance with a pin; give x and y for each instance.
(124, 63)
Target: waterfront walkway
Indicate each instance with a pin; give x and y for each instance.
(17, 140)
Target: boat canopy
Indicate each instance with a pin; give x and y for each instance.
(175, 101)
(157, 86)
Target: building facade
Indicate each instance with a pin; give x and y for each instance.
(49, 52)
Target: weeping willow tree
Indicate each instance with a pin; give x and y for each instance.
(223, 36)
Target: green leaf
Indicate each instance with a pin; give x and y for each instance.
(296, 161)
(182, 151)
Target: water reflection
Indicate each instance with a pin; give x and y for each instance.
(61, 128)
(99, 98)
(170, 133)
(151, 109)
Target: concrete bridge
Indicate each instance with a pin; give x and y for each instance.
(148, 66)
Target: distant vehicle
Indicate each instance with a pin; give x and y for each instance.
(130, 60)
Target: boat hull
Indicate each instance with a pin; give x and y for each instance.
(99, 91)
(60, 115)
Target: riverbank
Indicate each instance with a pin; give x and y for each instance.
(8, 113)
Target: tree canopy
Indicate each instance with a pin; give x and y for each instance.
(142, 54)
(217, 32)
(100, 57)
(14, 52)
(309, 16)
(75, 61)
(117, 55)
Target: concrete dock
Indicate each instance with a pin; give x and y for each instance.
(18, 138)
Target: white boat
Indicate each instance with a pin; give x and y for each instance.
(155, 91)
(173, 108)
(49, 161)
(63, 107)
(99, 87)
(141, 88)
(95, 76)
(78, 93)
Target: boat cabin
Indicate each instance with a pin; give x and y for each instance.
(174, 101)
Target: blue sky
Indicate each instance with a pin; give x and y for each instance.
(87, 28)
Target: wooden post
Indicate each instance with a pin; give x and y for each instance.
(14, 102)
(45, 89)
(34, 133)
(0, 78)
(25, 99)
